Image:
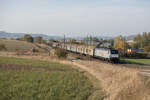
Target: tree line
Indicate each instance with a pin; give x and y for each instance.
(37, 39)
(140, 41)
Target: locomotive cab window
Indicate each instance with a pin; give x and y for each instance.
(114, 52)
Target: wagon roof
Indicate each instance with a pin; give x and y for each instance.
(83, 46)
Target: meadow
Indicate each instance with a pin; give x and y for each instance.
(136, 61)
(33, 63)
(29, 84)
(15, 45)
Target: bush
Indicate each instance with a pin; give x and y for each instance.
(61, 53)
(2, 47)
(78, 58)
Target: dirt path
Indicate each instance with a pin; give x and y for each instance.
(118, 82)
(145, 72)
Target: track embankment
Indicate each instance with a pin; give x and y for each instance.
(118, 82)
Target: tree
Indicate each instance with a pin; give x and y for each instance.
(39, 39)
(147, 48)
(117, 40)
(144, 39)
(2, 47)
(148, 36)
(28, 38)
(52, 40)
(73, 41)
(61, 53)
(138, 40)
(95, 39)
(111, 41)
(137, 37)
(123, 45)
(134, 45)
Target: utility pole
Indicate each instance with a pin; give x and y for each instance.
(86, 39)
(64, 41)
(124, 45)
(90, 40)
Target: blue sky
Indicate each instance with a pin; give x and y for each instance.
(75, 17)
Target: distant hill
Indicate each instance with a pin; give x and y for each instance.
(130, 37)
(4, 34)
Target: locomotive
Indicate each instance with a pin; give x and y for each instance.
(107, 54)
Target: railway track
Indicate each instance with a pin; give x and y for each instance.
(75, 56)
(143, 70)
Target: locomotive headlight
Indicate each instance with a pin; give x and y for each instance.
(114, 56)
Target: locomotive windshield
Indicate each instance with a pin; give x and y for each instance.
(114, 51)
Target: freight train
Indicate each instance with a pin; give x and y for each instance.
(106, 54)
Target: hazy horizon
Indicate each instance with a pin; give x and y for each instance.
(75, 18)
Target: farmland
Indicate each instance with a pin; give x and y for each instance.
(57, 82)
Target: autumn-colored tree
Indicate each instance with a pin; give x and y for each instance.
(145, 39)
(142, 40)
(134, 45)
(147, 48)
(28, 38)
(117, 40)
(123, 45)
(138, 40)
(95, 39)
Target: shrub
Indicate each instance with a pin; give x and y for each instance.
(61, 53)
(78, 58)
(34, 50)
(2, 47)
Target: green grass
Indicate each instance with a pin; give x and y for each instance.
(30, 85)
(137, 61)
(34, 63)
(26, 85)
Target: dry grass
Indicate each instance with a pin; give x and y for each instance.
(119, 83)
(20, 46)
(13, 45)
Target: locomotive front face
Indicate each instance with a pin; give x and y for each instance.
(114, 54)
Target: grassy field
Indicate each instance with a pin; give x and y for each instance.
(137, 61)
(14, 45)
(42, 85)
(33, 63)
